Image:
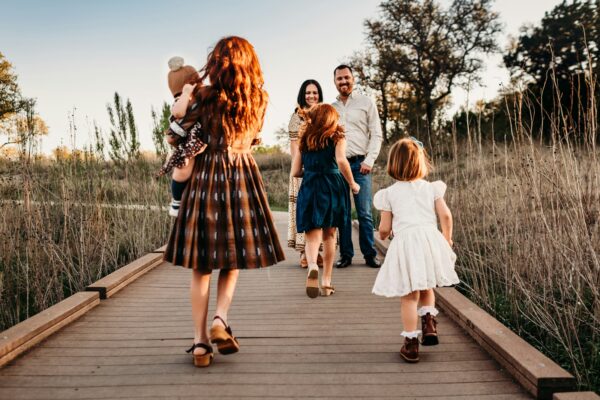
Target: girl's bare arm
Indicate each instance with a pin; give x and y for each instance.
(344, 165)
(445, 217)
(385, 225)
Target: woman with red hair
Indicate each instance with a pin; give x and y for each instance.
(224, 221)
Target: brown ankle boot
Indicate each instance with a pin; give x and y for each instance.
(429, 329)
(410, 351)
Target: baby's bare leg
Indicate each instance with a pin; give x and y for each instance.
(183, 174)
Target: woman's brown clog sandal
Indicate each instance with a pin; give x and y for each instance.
(312, 281)
(202, 360)
(303, 260)
(327, 290)
(223, 338)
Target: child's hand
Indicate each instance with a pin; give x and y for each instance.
(188, 89)
(450, 242)
(355, 188)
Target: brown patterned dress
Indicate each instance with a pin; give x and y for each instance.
(224, 220)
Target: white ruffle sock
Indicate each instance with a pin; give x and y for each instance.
(427, 309)
(411, 335)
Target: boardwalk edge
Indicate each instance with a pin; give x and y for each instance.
(121, 278)
(538, 374)
(24, 335)
(19, 338)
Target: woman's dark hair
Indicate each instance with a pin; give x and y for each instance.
(302, 92)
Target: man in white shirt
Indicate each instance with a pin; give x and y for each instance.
(358, 115)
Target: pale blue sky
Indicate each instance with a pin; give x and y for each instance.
(78, 53)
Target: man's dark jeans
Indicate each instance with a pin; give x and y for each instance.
(362, 202)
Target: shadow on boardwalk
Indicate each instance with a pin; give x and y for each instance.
(344, 346)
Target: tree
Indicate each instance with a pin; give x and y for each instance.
(433, 49)
(10, 94)
(123, 138)
(29, 128)
(24, 128)
(282, 137)
(560, 62)
(398, 107)
(563, 44)
(160, 125)
(99, 143)
(375, 75)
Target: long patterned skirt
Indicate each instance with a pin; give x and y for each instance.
(295, 239)
(224, 219)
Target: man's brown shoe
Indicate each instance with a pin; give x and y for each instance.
(429, 329)
(410, 351)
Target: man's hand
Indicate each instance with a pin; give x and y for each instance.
(365, 169)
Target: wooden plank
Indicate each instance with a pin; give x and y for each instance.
(245, 379)
(66, 342)
(575, 396)
(184, 366)
(28, 333)
(248, 349)
(180, 356)
(161, 249)
(112, 283)
(361, 390)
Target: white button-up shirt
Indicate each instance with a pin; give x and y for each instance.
(363, 130)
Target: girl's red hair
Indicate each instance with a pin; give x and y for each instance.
(320, 125)
(235, 102)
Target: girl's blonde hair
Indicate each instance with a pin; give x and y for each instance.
(320, 125)
(408, 160)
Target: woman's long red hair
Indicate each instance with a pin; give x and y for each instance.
(235, 102)
(320, 125)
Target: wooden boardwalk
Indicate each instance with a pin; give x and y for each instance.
(345, 346)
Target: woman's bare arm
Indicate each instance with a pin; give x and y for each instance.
(296, 171)
(294, 149)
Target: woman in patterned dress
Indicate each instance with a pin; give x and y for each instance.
(310, 93)
(224, 220)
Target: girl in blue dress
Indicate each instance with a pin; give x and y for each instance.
(323, 198)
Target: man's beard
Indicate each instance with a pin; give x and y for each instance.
(345, 89)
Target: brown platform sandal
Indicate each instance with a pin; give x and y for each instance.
(327, 290)
(312, 281)
(223, 338)
(320, 260)
(202, 360)
(303, 260)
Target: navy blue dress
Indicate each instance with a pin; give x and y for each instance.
(324, 195)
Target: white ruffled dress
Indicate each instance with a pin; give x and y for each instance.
(419, 257)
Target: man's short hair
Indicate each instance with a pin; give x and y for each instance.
(342, 66)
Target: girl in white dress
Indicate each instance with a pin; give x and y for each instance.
(419, 257)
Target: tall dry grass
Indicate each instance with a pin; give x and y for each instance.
(527, 231)
(65, 224)
(64, 232)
